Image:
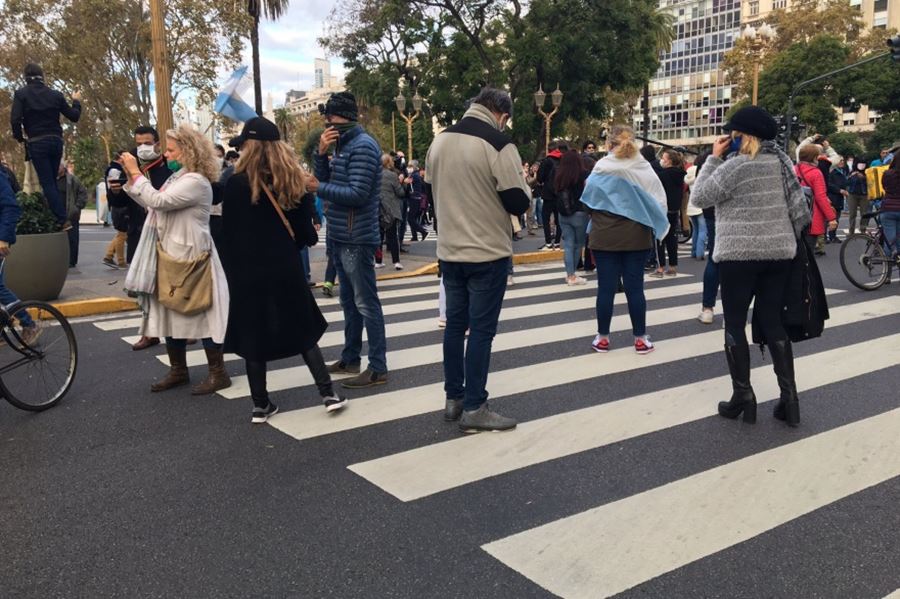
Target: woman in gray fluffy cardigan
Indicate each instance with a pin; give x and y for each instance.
(760, 213)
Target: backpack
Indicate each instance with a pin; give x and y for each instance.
(873, 181)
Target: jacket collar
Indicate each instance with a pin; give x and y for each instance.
(477, 111)
(352, 133)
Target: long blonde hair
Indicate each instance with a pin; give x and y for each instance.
(197, 152)
(620, 142)
(750, 144)
(275, 162)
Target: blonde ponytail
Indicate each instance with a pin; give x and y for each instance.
(621, 142)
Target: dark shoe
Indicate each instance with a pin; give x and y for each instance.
(144, 343)
(743, 399)
(334, 403)
(341, 368)
(178, 372)
(788, 407)
(484, 419)
(261, 415)
(367, 378)
(218, 378)
(453, 410)
(111, 263)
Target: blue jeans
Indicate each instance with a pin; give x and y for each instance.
(630, 267)
(711, 272)
(890, 221)
(538, 207)
(46, 154)
(304, 258)
(7, 297)
(574, 231)
(698, 239)
(474, 297)
(355, 265)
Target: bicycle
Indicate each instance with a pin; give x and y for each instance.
(38, 354)
(864, 257)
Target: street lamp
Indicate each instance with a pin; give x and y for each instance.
(106, 128)
(540, 96)
(758, 40)
(400, 100)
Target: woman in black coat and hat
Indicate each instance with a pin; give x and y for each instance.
(267, 219)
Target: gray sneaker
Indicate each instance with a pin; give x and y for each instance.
(484, 419)
(368, 378)
(453, 410)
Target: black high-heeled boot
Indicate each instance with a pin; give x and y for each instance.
(788, 406)
(743, 400)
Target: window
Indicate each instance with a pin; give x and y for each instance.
(779, 4)
(880, 5)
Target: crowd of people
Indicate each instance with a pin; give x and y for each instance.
(216, 243)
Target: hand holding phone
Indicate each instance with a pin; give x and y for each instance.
(329, 136)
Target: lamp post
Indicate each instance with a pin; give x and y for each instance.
(401, 108)
(556, 99)
(106, 127)
(758, 40)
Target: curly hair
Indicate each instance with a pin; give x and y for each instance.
(197, 153)
(620, 142)
(273, 162)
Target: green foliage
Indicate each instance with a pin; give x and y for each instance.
(423, 134)
(886, 133)
(36, 219)
(312, 142)
(89, 157)
(846, 143)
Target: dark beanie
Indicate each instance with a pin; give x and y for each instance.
(33, 71)
(754, 121)
(342, 104)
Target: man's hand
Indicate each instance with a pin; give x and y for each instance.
(721, 145)
(329, 136)
(77, 96)
(832, 225)
(312, 185)
(4, 249)
(845, 193)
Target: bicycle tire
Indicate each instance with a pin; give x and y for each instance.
(871, 249)
(20, 384)
(684, 234)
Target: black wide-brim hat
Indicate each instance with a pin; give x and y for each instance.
(754, 121)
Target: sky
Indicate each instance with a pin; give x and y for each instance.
(288, 47)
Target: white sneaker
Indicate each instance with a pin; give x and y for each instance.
(576, 281)
(706, 316)
(442, 324)
(398, 266)
(379, 265)
(510, 280)
(334, 403)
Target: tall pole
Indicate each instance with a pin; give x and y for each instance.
(755, 82)
(548, 120)
(409, 133)
(393, 131)
(257, 76)
(161, 76)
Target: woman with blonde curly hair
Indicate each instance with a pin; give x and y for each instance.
(179, 212)
(267, 219)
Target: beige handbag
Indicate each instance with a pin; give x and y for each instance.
(184, 286)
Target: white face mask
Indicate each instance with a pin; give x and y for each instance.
(147, 152)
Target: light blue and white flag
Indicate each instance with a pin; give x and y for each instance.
(229, 102)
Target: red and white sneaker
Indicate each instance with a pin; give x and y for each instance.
(600, 344)
(643, 346)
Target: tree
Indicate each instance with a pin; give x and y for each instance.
(846, 143)
(886, 134)
(271, 9)
(284, 120)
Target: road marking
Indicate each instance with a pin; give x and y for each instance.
(392, 405)
(439, 467)
(614, 547)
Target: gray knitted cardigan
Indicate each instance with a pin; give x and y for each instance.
(753, 216)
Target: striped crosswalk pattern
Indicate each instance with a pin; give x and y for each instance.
(542, 349)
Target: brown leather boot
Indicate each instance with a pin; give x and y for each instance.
(178, 372)
(217, 378)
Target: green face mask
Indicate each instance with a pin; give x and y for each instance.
(174, 165)
(344, 127)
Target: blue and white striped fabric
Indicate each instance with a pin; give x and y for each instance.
(629, 188)
(229, 102)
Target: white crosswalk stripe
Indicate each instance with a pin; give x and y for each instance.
(600, 549)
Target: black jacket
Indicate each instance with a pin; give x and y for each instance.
(36, 109)
(545, 176)
(272, 314)
(157, 172)
(837, 181)
(672, 178)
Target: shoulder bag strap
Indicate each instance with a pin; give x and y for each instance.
(280, 212)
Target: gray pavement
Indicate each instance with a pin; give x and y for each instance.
(118, 492)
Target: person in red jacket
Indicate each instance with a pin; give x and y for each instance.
(810, 176)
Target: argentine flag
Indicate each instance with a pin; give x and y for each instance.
(229, 102)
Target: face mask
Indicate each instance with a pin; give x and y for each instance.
(174, 165)
(147, 152)
(735, 145)
(344, 127)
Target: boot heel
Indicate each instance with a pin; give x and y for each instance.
(750, 413)
(792, 413)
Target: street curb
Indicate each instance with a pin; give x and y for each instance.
(432, 269)
(93, 307)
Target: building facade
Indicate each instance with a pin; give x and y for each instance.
(304, 103)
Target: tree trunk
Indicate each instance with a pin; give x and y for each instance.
(646, 124)
(257, 81)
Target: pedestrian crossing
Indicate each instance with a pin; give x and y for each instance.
(541, 357)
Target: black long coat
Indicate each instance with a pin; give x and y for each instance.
(273, 314)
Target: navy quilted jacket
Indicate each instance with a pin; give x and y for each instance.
(351, 185)
(10, 211)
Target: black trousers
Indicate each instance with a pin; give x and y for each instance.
(741, 282)
(669, 243)
(256, 376)
(415, 218)
(391, 237)
(73, 243)
(548, 208)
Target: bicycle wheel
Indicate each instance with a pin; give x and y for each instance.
(38, 356)
(864, 262)
(684, 235)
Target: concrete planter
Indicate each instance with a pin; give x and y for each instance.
(37, 266)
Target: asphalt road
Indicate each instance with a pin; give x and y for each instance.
(619, 481)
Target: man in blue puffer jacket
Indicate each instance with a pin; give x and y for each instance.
(351, 184)
(10, 211)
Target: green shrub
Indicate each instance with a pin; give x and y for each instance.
(36, 219)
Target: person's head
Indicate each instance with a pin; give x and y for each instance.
(188, 149)
(589, 147)
(648, 152)
(810, 153)
(671, 158)
(340, 109)
(33, 73)
(231, 156)
(570, 170)
(220, 151)
(620, 142)
(498, 102)
(414, 164)
(268, 160)
(884, 153)
(559, 144)
(387, 162)
(841, 163)
(861, 165)
(146, 140)
(749, 127)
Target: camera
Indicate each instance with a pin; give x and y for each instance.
(321, 108)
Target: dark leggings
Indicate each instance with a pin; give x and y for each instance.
(669, 243)
(741, 282)
(547, 209)
(182, 343)
(390, 236)
(256, 376)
